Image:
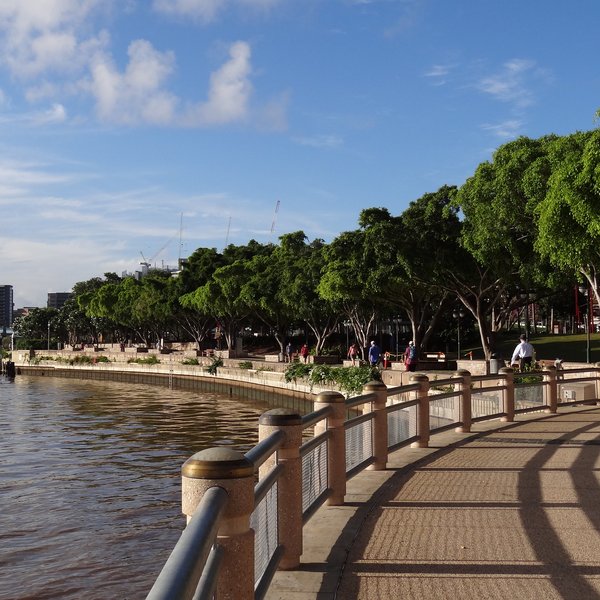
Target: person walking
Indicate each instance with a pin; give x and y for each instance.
(353, 353)
(523, 354)
(374, 354)
(288, 352)
(410, 357)
(304, 353)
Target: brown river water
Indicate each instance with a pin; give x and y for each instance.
(90, 482)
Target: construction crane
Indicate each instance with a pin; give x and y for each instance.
(274, 219)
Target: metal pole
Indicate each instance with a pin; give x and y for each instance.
(458, 338)
(587, 327)
(48, 335)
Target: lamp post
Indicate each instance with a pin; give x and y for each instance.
(48, 335)
(458, 315)
(585, 291)
(347, 325)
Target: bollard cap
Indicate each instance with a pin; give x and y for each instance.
(418, 377)
(461, 373)
(217, 463)
(280, 416)
(375, 385)
(330, 397)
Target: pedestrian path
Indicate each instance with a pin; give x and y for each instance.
(508, 513)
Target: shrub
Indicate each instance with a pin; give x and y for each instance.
(190, 361)
(214, 365)
(245, 364)
(149, 360)
(350, 380)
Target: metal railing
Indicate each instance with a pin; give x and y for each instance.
(303, 462)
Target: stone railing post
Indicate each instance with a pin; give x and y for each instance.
(508, 395)
(289, 485)
(336, 445)
(380, 426)
(550, 389)
(230, 470)
(423, 410)
(464, 386)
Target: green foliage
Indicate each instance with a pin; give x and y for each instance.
(265, 369)
(349, 380)
(216, 362)
(245, 364)
(190, 361)
(148, 360)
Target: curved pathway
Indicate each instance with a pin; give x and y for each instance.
(512, 513)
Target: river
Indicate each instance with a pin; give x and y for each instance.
(90, 481)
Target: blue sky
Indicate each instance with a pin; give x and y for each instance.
(154, 127)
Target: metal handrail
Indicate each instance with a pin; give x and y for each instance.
(185, 567)
(264, 449)
(314, 417)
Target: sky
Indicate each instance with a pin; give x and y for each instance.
(136, 131)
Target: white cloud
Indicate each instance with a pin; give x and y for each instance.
(229, 93)
(509, 85)
(137, 94)
(42, 36)
(320, 141)
(506, 130)
(207, 10)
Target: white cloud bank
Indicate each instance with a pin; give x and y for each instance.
(42, 47)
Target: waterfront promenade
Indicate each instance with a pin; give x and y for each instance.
(508, 511)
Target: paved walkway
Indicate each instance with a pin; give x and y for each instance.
(511, 513)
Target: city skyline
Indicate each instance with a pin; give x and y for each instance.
(141, 131)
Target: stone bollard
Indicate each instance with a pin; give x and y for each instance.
(230, 470)
(336, 445)
(550, 389)
(508, 395)
(466, 411)
(289, 484)
(423, 408)
(380, 426)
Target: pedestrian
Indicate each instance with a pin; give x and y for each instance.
(523, 354)
(410, 357)
(353, 353)
(288, 352)
(304, 352)
(386, 360)
(374, 354)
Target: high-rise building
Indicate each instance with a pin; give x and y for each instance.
(57, 299)
(6, 306)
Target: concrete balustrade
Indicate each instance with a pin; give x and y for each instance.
(289, 485)
(230, 470)
(508, 394)
(336, 445)
(464, 386)
(423, 411)
(227, 469)
(550, 389)
(380, 425)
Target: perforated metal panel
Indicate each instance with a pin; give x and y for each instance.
(264, 522)
(529, 396)
(314, 475)
(359, 443)
(402, 425)
(485, 403)
(444, 412)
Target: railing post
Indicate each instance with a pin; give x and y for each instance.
(423, 410)
(380, 426)
(336, 444)
(289, 484)
(550, 389)
(230, 470)
(464, 386)
(508, 395)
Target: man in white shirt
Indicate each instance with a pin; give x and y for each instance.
(523, 354)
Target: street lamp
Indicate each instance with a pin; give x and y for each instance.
(347, 325)
(525, 296)
(585, 291)
(458, 315)
(48, 335)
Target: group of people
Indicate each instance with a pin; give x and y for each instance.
(522, 356)
(375, 356)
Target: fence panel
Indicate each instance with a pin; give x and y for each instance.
(402, 424)
(359, 441)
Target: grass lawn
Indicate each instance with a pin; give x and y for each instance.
(571, 348)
